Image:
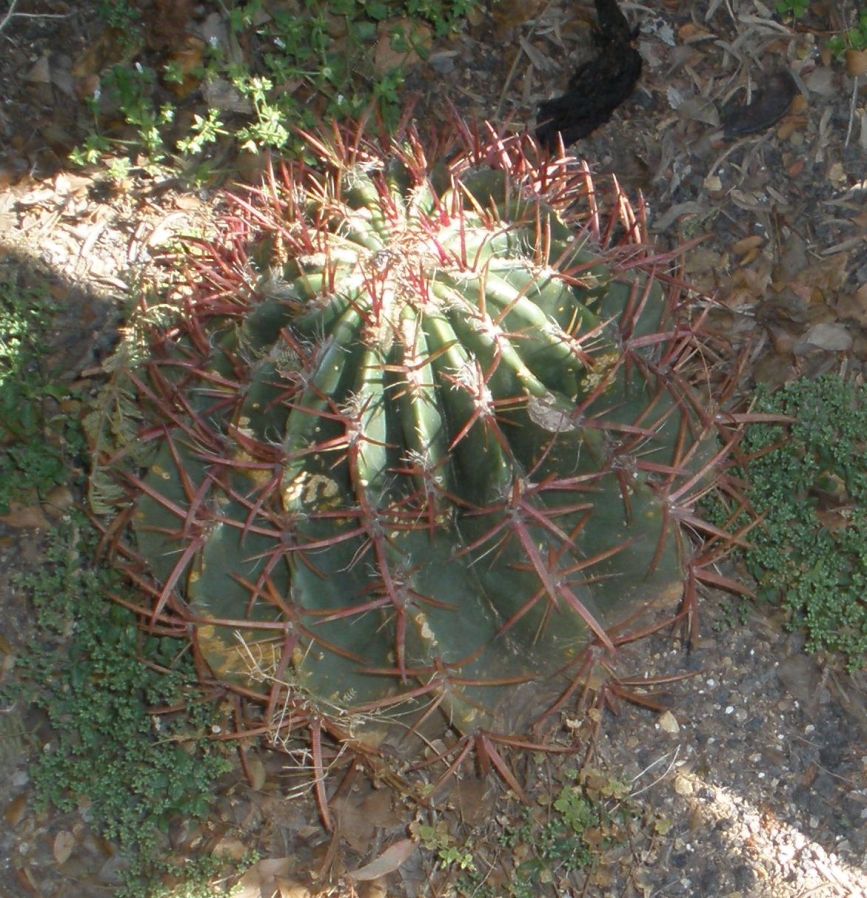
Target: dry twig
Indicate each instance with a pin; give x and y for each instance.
(11, 14)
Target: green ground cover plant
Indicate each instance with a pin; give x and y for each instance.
(128, 730)
(95, 677)
(808, 482)
(36, 439)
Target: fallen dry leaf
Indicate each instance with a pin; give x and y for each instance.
(398, 42)
(749, 285)
(835, 519)
(25, 517)
(375, 889)
(828, 336)
(387, 862)
(15, 810)
(473, 798)
(747, 244)
(289, 888)
(668, 723)
(856, 62)
(854, 305)
(166, 22)
(107, 49)
(64, 843)
(595, 837)
(40, 72)
(261, 880)
(511, 14)
(354, 825)
(257, 772)
(233, 849)
(683, 785)
(58, 501)
(379, 808)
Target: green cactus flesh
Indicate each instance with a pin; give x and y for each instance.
(416, 445)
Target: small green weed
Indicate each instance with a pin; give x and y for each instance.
(794, 9)
(808, 481)
(443, 844)
(123, 17)
(542, 848)
(302, 64)
(99, 681)
(558, 845)
(734, 612)
(34, 445)
(854, 39)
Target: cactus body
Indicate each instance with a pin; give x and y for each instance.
(421, 439)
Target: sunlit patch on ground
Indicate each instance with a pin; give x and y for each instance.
(785, 861)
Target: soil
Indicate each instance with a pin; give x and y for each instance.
(753, 784)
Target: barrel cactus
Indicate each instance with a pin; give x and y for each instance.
(422, 442)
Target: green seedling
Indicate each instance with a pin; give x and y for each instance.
(318, 65)
(35, 438)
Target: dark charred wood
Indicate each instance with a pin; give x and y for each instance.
(612, 28)
(598, 87)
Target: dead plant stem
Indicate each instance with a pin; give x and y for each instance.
(11, 14)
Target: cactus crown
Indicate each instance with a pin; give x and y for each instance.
(423, 441)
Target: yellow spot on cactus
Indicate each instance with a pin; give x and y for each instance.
(217, 653)
(469, 716)
(321, 489)
(292, 490)
(315, 490)
(603, 370)
(259, 476)
(424, 628)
